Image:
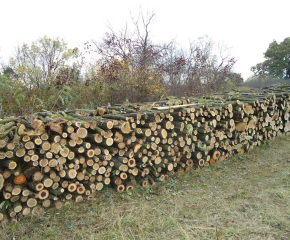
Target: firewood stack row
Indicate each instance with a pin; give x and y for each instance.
(49, 158)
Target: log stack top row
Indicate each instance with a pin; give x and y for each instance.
(50, 158)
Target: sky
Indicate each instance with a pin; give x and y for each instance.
(247, 27)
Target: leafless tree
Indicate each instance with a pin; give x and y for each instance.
(135, 47)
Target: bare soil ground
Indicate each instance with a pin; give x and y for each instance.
(244, 197)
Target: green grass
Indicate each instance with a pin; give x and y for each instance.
(244, 197)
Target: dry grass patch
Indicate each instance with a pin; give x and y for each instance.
(245, 197)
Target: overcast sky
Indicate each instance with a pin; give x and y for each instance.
(248, 26)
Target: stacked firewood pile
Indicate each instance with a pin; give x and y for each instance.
(49, 158)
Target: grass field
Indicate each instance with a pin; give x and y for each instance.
(244, 197)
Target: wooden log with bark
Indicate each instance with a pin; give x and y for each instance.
(68, 155)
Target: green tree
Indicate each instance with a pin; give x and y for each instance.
(39, 76)
(41, 62)
(277, 63)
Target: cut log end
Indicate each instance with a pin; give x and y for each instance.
(216, 155)
(43, 194)
(2, 181)
(126, 128)
(82, 132)
(17, 180)
(129, 187)
(120, 188)
(145, 184)
(131, 163)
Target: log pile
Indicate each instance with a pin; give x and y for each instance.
(49, 158)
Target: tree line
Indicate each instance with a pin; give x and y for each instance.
(127, 65)
(275, 69)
